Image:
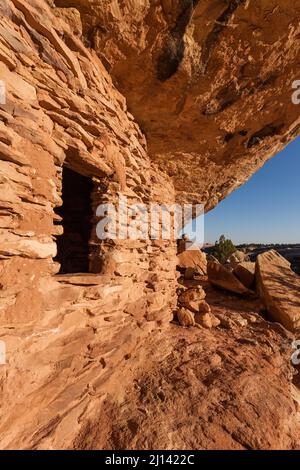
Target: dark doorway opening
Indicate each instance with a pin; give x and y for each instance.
(76, 213)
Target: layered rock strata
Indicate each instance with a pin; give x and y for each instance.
(220, 72)
(195, 76)
(279, 289)
(62, 111)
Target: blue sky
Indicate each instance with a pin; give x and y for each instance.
(266, 209)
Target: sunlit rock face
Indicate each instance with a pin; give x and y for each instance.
(68, 145)
(86, 322)
(209, 82)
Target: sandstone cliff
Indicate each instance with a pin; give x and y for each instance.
(156, 101)
(209, 82)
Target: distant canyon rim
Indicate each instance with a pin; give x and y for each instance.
(164, 102)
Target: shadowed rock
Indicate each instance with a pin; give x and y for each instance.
(194, 259)
(279, 288)
(245, 272)
(196, 75)
(219, 276)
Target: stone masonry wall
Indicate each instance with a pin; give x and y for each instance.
(62, 109)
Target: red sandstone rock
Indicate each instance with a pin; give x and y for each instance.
(219, 276)
(74, 340)
(204, 307)
(238, 400)
(279, 289)
(245, 272)
(197, 78)
(193, 259)
(204, 320)
(193, 299)
(185, 317)
(237, 257)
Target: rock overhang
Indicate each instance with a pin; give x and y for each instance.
(209, 83)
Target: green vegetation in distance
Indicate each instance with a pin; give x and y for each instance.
(223, 249)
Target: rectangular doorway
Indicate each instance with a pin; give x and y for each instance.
(76, 212)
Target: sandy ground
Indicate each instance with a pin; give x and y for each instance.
(226, 388)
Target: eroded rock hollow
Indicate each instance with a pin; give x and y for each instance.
(162, 102)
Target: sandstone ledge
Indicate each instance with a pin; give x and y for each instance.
(279, 288)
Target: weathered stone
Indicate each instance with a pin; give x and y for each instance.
(17, 85)
(12, 245)
(215, 320)
(61, 112)
(236, 258)
(245, 272)
(193, 259)
(197, 78)
(185, 317)
(195, 294)
(219, 276)
(279, 289)
(66, 109)
(239, 320)
(203, 307)
(204, 320)
(211, 257)
(72, 17)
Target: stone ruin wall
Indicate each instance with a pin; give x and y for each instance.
(67, 336)
(60, 107)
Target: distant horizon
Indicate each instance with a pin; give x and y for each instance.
(256, 243)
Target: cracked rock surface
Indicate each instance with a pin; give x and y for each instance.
(209, 82)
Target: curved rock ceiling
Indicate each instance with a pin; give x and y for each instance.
(208, 81)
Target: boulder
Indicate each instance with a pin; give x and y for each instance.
(245, 272)
(219, 276)
(236, 258)
(204, 307)
(279, 289)
(207, 320)
(204, 320)
(194, 259)
(185, 317)
(192, 299)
